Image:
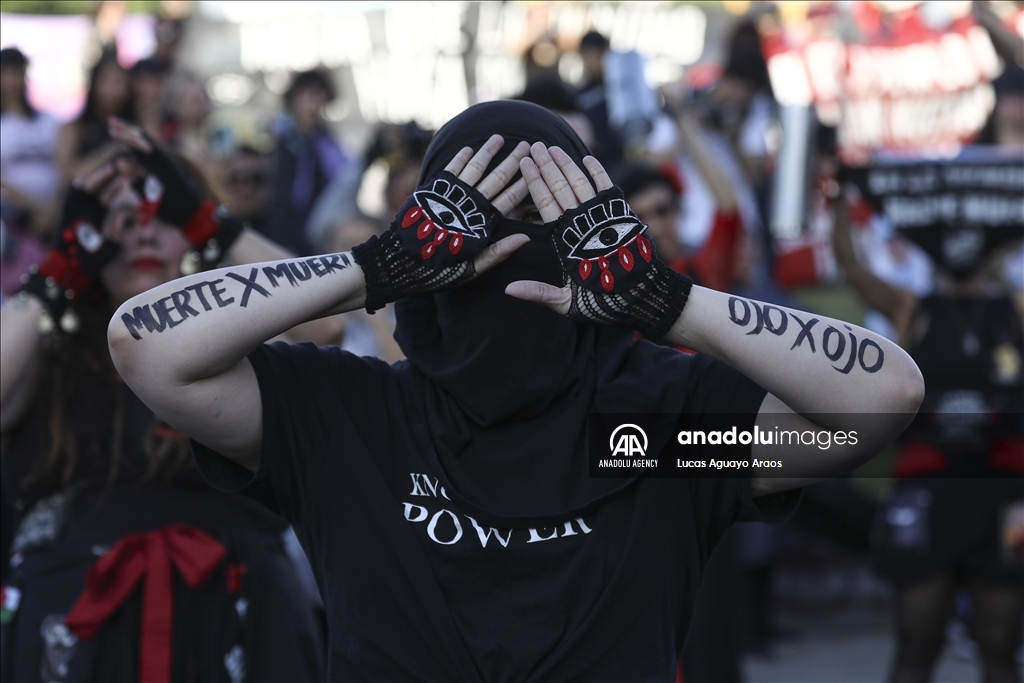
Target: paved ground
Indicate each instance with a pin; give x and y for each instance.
(848, 645)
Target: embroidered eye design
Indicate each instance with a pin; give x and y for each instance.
(153, 189)
(447, 205)
(88, 237)
(604, 239)
(601, 230)
(444, 215)
(606, 234)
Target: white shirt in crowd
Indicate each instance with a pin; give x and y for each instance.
(27, 150)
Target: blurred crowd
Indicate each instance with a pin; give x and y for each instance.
(698, 160)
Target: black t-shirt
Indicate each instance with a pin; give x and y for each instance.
(417, 590)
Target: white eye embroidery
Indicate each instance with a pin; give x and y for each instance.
(609, 236)
(88, 237)
(444, 215)
(153, 188)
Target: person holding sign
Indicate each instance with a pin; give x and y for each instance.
(956, 514)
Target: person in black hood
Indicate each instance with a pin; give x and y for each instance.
(446, 502)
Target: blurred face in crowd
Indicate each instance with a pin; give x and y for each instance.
(148, 89)
(581, 125)
(111, 89)
(246, 185)
(350, 233)
(191, 106)
(306, 105)
(1009, 119)
(401, 183)
(12, 85)
(593, 63)
(732, 96)
(658, 207)
(150, 254)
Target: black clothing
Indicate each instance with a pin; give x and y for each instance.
(608, 147)
(261, 626)
(961, 464)
(445, 502)
(259, 631)
(303, 167)
(970, 357)
(929, 526)
(510, 382)
(418, 587)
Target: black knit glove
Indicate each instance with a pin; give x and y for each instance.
(168, 194)
(613, 272)
(166, 191)
(431, 245)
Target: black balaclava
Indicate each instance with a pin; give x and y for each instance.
(511, 381)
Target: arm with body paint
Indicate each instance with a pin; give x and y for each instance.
(820, 373)
(182, 347)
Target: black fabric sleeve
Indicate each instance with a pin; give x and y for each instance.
(305, 392)
(719, 396)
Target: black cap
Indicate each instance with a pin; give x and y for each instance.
(12, 56)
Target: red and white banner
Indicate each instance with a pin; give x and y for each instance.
(900, 85)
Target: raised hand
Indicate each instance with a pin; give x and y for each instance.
(168, 194)
(611, 273)
(442, 236)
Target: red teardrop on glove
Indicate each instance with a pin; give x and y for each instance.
(645, 248)
(411, 216)
(626, 259)
(586, 268)
(456, 244)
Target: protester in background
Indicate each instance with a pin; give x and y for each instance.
(592, 101)
(28, 144)
(552, 93)
(28, 173)
(401, 147)
(148, 83)
(742, 101)
(654, 196)
(247, 185)
(83, 143)
(541, 59)
(108, 492)
(956, 513)
(716, 234)
(1006, 124)
(188, 110)
(168, 32)
(363, 334)
(307, 159)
